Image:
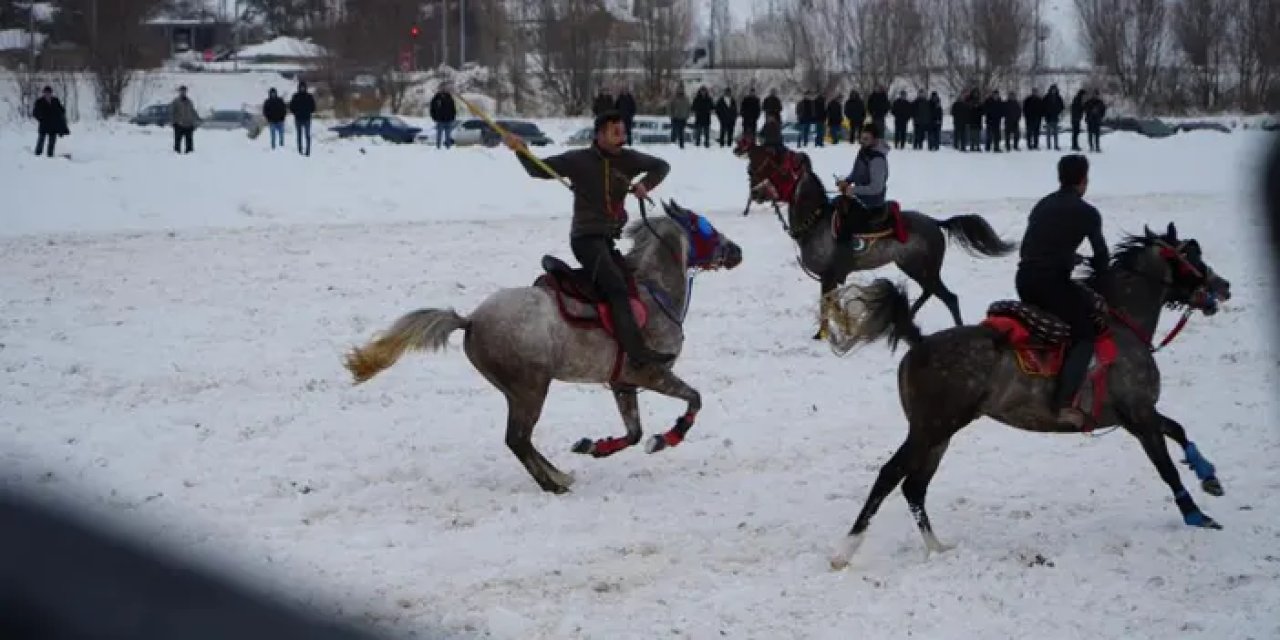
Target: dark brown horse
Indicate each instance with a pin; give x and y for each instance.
(913, 241)
(1005, 369)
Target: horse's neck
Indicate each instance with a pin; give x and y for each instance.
(1140, 298)
(657, 267)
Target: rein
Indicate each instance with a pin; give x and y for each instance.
(1133, 326)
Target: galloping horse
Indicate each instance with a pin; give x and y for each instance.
(521, 339)
(1006, 369)
(913, 241)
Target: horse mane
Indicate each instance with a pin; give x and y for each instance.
(664, 232)
(1125, 254)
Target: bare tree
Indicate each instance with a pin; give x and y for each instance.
(981, 43)
(375, 37)
(816, 40)
(1255, 51)
(116, 41)
(886, 39)
(1197, 27)
(569, 44)
(289, 17)
(1126, 38)
(665, 29)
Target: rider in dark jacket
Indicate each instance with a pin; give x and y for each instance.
(1055, 229)
(865, 187)
(601, 175)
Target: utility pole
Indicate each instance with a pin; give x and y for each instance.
(444, 32)
(462, 32)
(31, 38)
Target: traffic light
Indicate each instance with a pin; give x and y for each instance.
(414, 31)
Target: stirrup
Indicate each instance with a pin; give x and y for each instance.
(857, 244)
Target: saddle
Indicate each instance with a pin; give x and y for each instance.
(891, 223)
(579, 301)
(1040, 339)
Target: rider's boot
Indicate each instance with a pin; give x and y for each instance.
(845, 233)
(629, 336)
(1070, 379)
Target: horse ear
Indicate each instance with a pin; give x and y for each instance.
(1147, 230)
(1172, 232)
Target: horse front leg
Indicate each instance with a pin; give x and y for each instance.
(1203, 469)
(1149, 428)
(670, 385)
(829, 284)
(625, 396)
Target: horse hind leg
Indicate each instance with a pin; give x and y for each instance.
(902, 461)
(914, 488)
(929, 277)
(625, 396)
(524, 407)
(1203, 469)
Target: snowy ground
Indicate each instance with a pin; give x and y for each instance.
(172, 328)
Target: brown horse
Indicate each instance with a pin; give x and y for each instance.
(520, 339)
(913, 241)
(1006, 369)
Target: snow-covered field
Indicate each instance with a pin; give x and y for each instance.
(172, 332)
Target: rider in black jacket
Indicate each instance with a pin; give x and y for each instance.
(1055, 229)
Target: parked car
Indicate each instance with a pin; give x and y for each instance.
(1202, 125)
(389, 128)
(156, 114)
(475, 131)
(1149, 127)
(229, 119)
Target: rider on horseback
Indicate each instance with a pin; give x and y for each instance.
(601, 175)
(863, 191)
(1056, 227)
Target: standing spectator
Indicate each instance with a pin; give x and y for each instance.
(678, 110)
(835, 118)
(303, 105)
(921, 120)
(878, 107)
(626, 105)
(1053, 108)
(602, 103)
(960, 123)
(1033, 111)
(1012, 122)
(804, 117)
(993, 109)
(51, 118)
(773, 106)
(727, 115)
(1094, 111)
(185, 118)
(444, 113)
(1077, 114)
(901, 114)
(274, 110)
(749, 109)
(974, 132)
(935, 119)
(856, 112)
(702, 107)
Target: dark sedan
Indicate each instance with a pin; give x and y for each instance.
(389, 128)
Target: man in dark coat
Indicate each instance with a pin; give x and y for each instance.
(1033, 111)
(935, 122)
(303, 106)
(1077, 114)
(804, 117)
(772, 106)
(878, 106)
(992, 111)
(1012, 122)
(974, 133)
(274, 111)
(921, 120)
(1094, 111)
(856, 111)
(960, 123)
(702, 107)
(749, 109)
(626, 106)
(727, 115)
(902, 112)
(1053, 108)
(51, 118)
(835, 118)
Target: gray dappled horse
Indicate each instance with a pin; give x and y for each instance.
(521, 339)
(955, 376)
(913, 241)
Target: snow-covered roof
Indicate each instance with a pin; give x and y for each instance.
(11, 39)
(282, 47)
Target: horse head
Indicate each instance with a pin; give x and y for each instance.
(708, 248)
(1191, 282)
(743, 145)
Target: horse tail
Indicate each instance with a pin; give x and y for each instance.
(972, 232)
(416, 330)
(873, 312)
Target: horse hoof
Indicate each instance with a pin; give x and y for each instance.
(838, 563)
(584, 446)
(1199, 519)
(655, 444)
(1212, 487)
